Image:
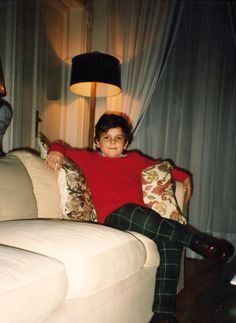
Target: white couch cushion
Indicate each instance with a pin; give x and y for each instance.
(31, 285)
(95, 256)
(17, 199)
(45, 184)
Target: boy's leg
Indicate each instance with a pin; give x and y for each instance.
(167, 277)
(132, 217)
(147, 222)
(168, 234)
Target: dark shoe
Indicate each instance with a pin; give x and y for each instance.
(163, 318)
(212, 249)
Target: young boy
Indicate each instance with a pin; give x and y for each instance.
(114, 179)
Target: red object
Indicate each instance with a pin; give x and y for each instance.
(113, 182)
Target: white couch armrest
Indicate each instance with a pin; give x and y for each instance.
(152, 256)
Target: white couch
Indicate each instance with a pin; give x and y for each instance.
(59, 271)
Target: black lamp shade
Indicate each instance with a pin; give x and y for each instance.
(103, 69)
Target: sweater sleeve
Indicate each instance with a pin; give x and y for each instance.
(71, 153)
(179, 175)
(57, 147)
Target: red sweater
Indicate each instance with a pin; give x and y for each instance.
(113, 182)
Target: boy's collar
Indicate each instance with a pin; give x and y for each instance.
(103, 155)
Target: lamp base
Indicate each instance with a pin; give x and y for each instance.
(5, 119)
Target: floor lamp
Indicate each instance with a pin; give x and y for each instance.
(95, 75)
(5, 111)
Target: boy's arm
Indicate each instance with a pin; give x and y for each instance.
(55, 157)
(57, 147)
(185, 178)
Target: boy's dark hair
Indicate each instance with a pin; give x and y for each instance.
(111, 120)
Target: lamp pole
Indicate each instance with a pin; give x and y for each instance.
(92, 114)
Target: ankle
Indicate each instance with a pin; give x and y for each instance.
(194, 241)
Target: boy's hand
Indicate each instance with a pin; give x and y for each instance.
(54, 161)
(187, 189)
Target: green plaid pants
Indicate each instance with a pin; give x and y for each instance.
(170, 238)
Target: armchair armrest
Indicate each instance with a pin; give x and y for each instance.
(179, 193)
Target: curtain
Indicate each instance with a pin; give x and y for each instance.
(64, 114)
(140, 34)
(37, 44)
(232, 15)
(192, 115)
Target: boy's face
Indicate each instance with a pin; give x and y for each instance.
(112, 143)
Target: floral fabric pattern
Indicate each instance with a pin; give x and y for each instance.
(159, 191)
(76, 201)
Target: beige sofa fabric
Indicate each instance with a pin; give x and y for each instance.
(31, 285)
(17, 199)
(45, 184)
(91, 253)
